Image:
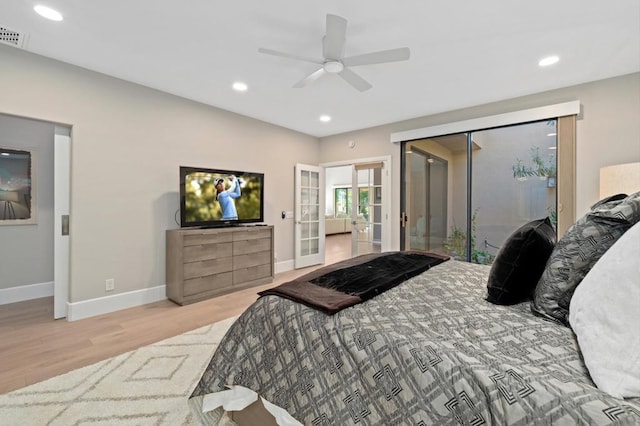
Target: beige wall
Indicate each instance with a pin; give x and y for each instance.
(127, 144)
(608, 132)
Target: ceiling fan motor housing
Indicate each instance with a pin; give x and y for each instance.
(333, 67)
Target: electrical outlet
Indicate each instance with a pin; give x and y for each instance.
(110, 284)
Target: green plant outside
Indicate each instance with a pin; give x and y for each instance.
(541, 168)
(456, 244)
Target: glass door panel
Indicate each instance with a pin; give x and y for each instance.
(430, 190)
(426, 201)
(366, 216)
(514, 182)
(436, 223)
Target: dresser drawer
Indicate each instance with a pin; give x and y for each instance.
(207, 267)
(207, 251)
(251, 246)
(253, 259)
(250, 274)
(198, 239)
(207, 283)
(252, 234)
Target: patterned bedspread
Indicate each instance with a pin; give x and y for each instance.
(431, 351)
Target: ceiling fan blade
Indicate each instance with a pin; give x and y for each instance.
(310, 78)
(333, 41)
(355, 80)
(392, 55)
(289, 56)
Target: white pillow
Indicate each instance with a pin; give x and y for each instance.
(605, 315)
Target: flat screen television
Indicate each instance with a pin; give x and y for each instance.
(215, 197)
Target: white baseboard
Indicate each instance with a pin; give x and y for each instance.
(116, 302)
(285, 266)
(25, 292)
(100, 305)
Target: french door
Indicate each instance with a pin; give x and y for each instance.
(367, 214)
(309, 216)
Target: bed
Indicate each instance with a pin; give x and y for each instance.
(429, 351)
(517, 343)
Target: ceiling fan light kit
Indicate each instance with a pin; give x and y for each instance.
(333, 61)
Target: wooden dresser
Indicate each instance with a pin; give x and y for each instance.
(203, 263)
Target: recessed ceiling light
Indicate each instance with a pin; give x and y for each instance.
(552, 134)
(4, 153)
(549, 60)
(552, 147)
(240, 86)
(325, 118)
(48, 13)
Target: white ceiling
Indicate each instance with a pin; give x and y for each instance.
(463, 53)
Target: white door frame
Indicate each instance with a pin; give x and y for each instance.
(386, 191)
(62, 189)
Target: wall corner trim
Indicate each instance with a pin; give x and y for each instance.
(116, 302)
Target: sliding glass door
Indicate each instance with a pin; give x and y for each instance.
(464, 194)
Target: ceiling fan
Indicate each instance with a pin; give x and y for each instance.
(334, 63)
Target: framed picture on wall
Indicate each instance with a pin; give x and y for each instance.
(18, 201)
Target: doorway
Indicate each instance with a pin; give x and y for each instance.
(41, 244)
(357, 203)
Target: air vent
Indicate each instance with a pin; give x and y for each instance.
(11, 37)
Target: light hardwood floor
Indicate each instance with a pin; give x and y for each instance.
(34, 347)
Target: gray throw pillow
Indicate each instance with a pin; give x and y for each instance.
(578, 250)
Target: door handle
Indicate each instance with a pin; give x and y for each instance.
(65, 224)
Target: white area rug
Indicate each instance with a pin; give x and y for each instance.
(148, 386)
